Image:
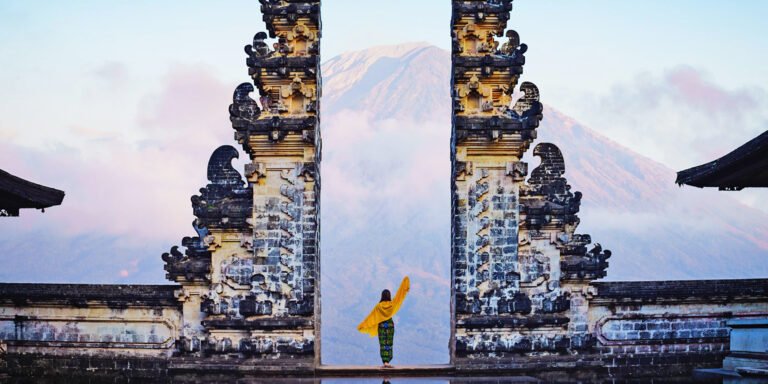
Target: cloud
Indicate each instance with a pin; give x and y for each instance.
(680, 117)
(112, 73)
(7, 134)
(692, 88)
(93, 135)
(190, 109)
(687, 87)
(397, 165)
(139, 189)
(127, 193)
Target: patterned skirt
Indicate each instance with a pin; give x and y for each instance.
(386, 336)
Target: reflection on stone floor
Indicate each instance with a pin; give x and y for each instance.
(443, 380)
(380, 380)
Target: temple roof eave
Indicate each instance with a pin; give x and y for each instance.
(17, 193)
(744, 167)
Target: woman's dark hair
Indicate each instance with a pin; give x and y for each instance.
(386, 295)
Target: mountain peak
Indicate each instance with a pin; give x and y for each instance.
(390, 79)
(375, 52)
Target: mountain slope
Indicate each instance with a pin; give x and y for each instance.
(656, 229)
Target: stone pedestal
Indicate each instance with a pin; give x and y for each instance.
(749, 344)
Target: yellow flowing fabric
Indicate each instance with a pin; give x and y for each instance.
(384, 310)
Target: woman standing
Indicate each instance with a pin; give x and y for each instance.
(379, 321)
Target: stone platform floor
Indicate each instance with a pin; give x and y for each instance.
(436, 370)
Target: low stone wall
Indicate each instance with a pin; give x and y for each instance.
(633, 329)
(636, 328)
(674, 326)
(53, 328)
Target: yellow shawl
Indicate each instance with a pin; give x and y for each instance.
(384, 310)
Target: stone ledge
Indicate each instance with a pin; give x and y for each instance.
(260, 324)
(377, 371)
(265, 367)
(761, 322)
(79, 295)
(681, 291)
(618, 366)
(534, 321)
(39, 365)
(543, 367)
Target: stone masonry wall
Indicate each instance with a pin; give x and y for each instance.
(76, 325)
(670, 325)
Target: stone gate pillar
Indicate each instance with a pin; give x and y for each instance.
(250, 279)
(520, 274)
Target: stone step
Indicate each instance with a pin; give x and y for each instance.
(436, 370)
(241, 367)
(277, 369)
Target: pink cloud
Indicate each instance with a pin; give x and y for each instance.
(691, 87)
(680, 117)
(7, 134)
(396, 165)
(189, 114)
(112, 72)
(142, 190)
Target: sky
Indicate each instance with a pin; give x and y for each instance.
(98, 59)
(111, 86)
